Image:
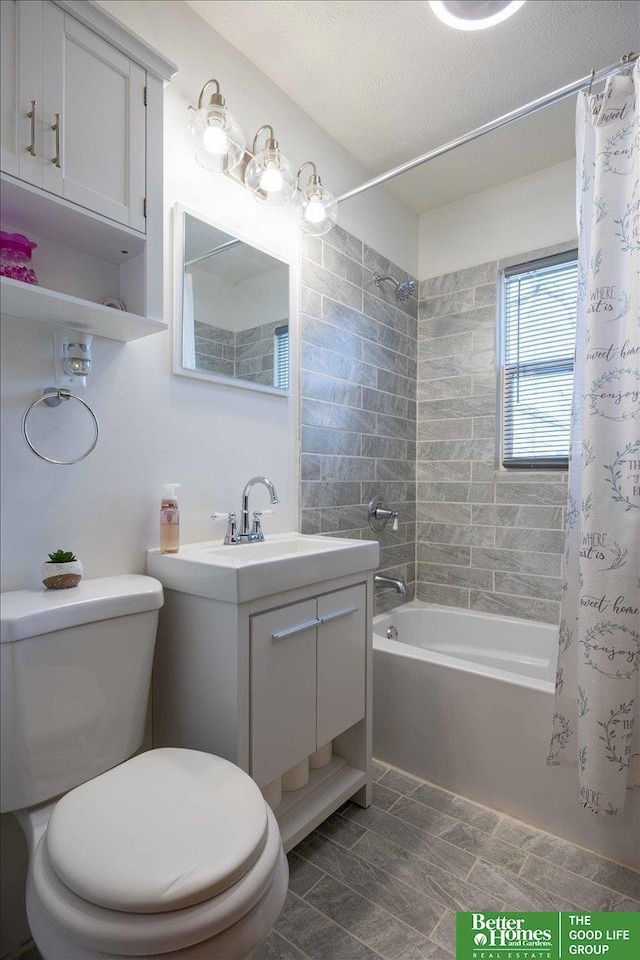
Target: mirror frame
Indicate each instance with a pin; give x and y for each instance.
(179, 213)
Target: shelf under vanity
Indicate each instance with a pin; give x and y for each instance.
(302, 810)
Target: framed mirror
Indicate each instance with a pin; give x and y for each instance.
(232, 308)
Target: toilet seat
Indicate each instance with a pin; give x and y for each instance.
(170, 828)
(121, 932)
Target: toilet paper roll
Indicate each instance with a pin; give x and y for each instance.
(273, 793)
(321, 757)
(297, 777)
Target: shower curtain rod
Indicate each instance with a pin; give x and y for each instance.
(525, 111)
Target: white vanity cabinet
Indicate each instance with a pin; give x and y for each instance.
(265, 683)
(308, 664)
(81, 166)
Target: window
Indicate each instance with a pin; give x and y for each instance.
(537, 369)
(281, 365)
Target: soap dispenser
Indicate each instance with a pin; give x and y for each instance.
(169, 519)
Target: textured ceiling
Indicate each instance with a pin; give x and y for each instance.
(389, 81)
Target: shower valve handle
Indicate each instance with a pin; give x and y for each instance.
(378, 514)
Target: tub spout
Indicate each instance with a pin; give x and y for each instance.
(399, 585)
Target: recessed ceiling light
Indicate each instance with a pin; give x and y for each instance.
(474, 14)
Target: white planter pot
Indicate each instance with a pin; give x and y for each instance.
(61, 576)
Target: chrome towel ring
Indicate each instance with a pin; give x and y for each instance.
(53, 397)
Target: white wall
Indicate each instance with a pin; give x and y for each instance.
(240, 304)
(526, 214)
(156, 427)
(201, 53)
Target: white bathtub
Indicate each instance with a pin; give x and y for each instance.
(465, 700)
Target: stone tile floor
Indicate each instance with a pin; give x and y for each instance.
(386, 882)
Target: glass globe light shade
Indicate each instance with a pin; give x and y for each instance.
(319, 210)
(218, 140)
(270, 178)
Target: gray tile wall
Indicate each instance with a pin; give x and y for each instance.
(487, 539)
(254, 353)
(358, 399)
(247, 355)
(214, 348)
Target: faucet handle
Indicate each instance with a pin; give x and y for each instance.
(256, 526)
(231, 535)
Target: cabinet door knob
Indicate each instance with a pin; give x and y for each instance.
(56, 128)
(299, 628)
(32, 116)
(339, 613)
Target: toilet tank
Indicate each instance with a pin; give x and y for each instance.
(75, 674)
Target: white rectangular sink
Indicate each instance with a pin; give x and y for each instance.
(248, 571)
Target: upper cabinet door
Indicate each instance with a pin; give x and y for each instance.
(94, 121)
(21, 90)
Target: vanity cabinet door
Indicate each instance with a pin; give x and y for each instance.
(342, 645)
(96, 158)
(283, 689)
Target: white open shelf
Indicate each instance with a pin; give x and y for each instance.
(300, 811)
(31, 302)
(35, 211)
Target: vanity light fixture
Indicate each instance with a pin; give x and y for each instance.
(218, 138)
(474, 14)
(269, 176)
(319, 208)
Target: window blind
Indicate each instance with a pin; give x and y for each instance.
(540, 302)
(281, 365)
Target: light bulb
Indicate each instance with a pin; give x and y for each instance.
(271, 180)
(314, 211)
(269, 177)
(319, 209)
(215, 140)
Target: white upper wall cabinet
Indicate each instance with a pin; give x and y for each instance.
(85, 138)
(81, 161)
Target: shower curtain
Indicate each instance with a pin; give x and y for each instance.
(597, 704)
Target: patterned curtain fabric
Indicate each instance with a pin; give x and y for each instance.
(597, 716)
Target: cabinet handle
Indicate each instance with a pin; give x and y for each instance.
(32, 116)
(56, 127)
(338, 614)
(299, 628)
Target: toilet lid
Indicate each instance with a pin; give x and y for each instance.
(167, 829)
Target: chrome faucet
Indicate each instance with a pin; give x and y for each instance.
(399, 585)
(253, 533)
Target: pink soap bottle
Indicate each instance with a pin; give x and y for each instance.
(169, 519)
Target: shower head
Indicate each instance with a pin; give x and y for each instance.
(403, 290)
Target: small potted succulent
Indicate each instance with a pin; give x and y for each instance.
(61, 571)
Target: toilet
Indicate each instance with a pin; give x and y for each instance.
(170, 853)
